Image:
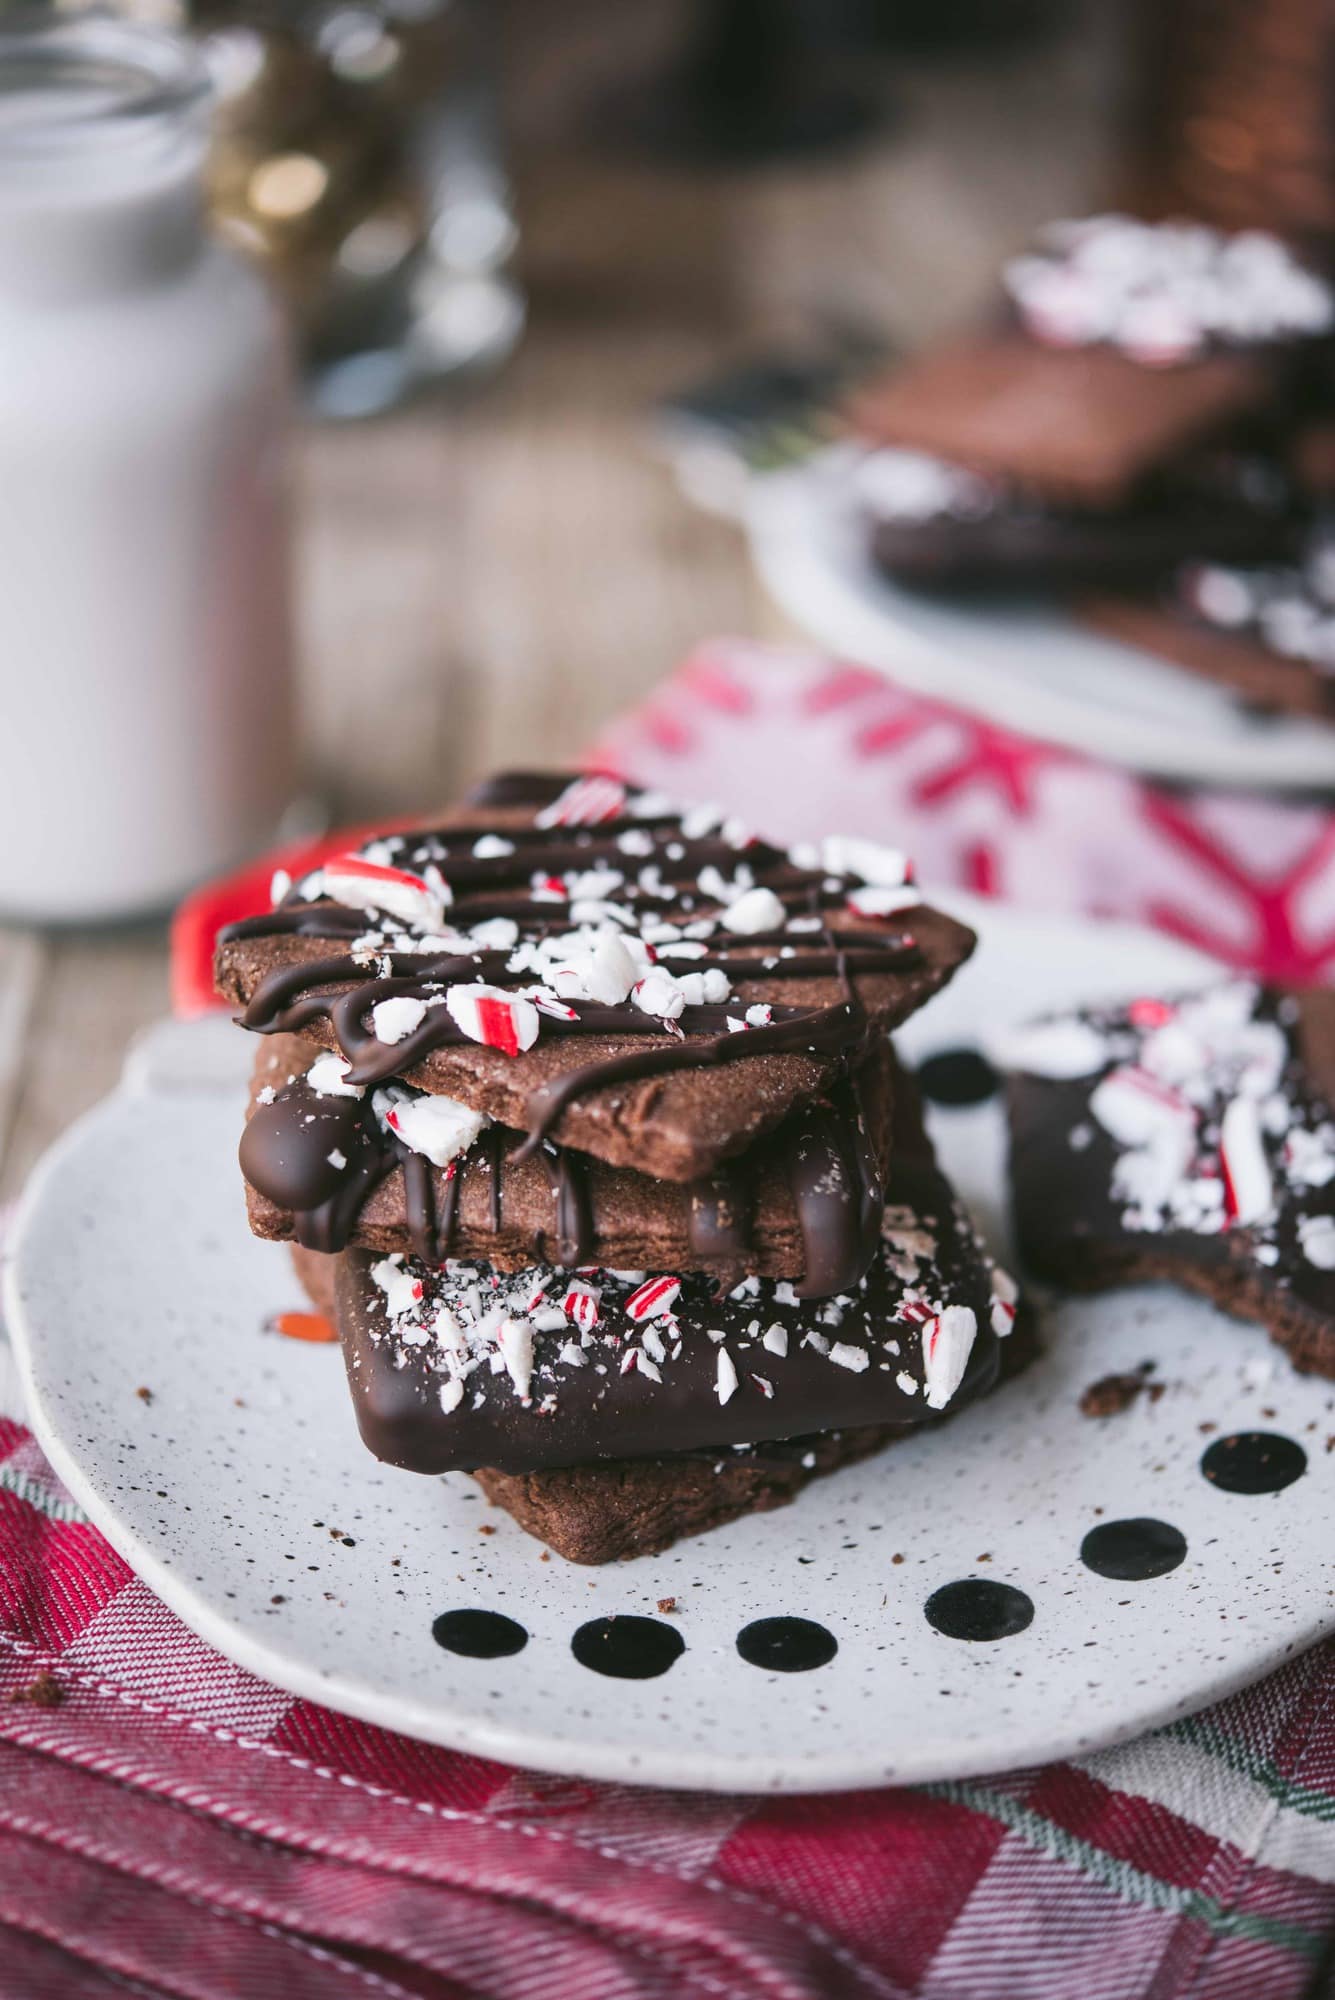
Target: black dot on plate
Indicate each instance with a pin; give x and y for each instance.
(957, 1076)
(977, 1608)
(1254, 1462)
(628, 1648)
(479, 1635)
(786, 1645)
(1133, 1550)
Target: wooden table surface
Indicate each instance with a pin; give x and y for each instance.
(496, 572)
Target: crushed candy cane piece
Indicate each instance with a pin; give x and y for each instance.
(359, 884)
(946, 1345)
(585, 802)
(580, 1303)
(327, 1077)
(439, 1128)
(392, 1019)
(1249, 1194)
(654, 1298)
(756, 911)
(493, 1016)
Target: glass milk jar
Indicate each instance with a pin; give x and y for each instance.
(145, 667)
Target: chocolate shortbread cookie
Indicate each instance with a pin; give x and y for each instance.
(935, 526)
(1267, 634)
(464, 1366)
(581, 961)
(614, 1509)
(1192, 1140)
(391, 1169)
(1127, 344)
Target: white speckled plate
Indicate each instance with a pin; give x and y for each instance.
(243, 1495)
(1000, 660)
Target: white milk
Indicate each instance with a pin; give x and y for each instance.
(145, 666)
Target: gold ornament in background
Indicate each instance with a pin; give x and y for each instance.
(312, 168)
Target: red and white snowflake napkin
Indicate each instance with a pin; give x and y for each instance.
(797, 743)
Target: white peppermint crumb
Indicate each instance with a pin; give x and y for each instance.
(727, 1376)
(906, 1382)
(267, 1095)
(491, 847)
(784, 1295)
(451, 1394)
(808, 1459)
(392, 1019)
(847, 1356)
(327, 1077)
(337, 1159)
(757, 910)
(775, 1338)
(716, 1333)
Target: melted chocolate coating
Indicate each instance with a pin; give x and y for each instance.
(605, 1408)
(829, 1161)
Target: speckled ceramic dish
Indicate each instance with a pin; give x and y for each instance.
(1028, 1583)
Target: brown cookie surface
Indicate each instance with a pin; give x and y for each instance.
(807, 1198)
(1076, 425)
(709, 987)
(618, 1509)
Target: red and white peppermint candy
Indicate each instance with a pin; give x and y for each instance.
(581, 1303)
(1005, 1300)
(947, 1342)
(1249, 1194)
(655, 1297)
(358, 884)
(586, 802)
(547, 1003)
(877, 902)
(866, 860)
(1138, 1110)
(496, 1018)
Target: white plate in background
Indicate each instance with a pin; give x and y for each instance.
(1026, 666)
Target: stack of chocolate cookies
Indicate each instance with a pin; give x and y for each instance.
(1138, 402)
(581, 1115)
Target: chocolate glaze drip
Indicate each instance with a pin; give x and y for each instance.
(828, 1157)
(343, 989)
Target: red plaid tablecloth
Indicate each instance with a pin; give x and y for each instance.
(171, 1826)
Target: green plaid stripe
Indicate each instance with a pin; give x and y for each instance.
(36, 1493)
(1131, 1884)
(1204, 1735)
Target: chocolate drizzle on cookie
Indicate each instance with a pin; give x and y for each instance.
(293, 1143)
